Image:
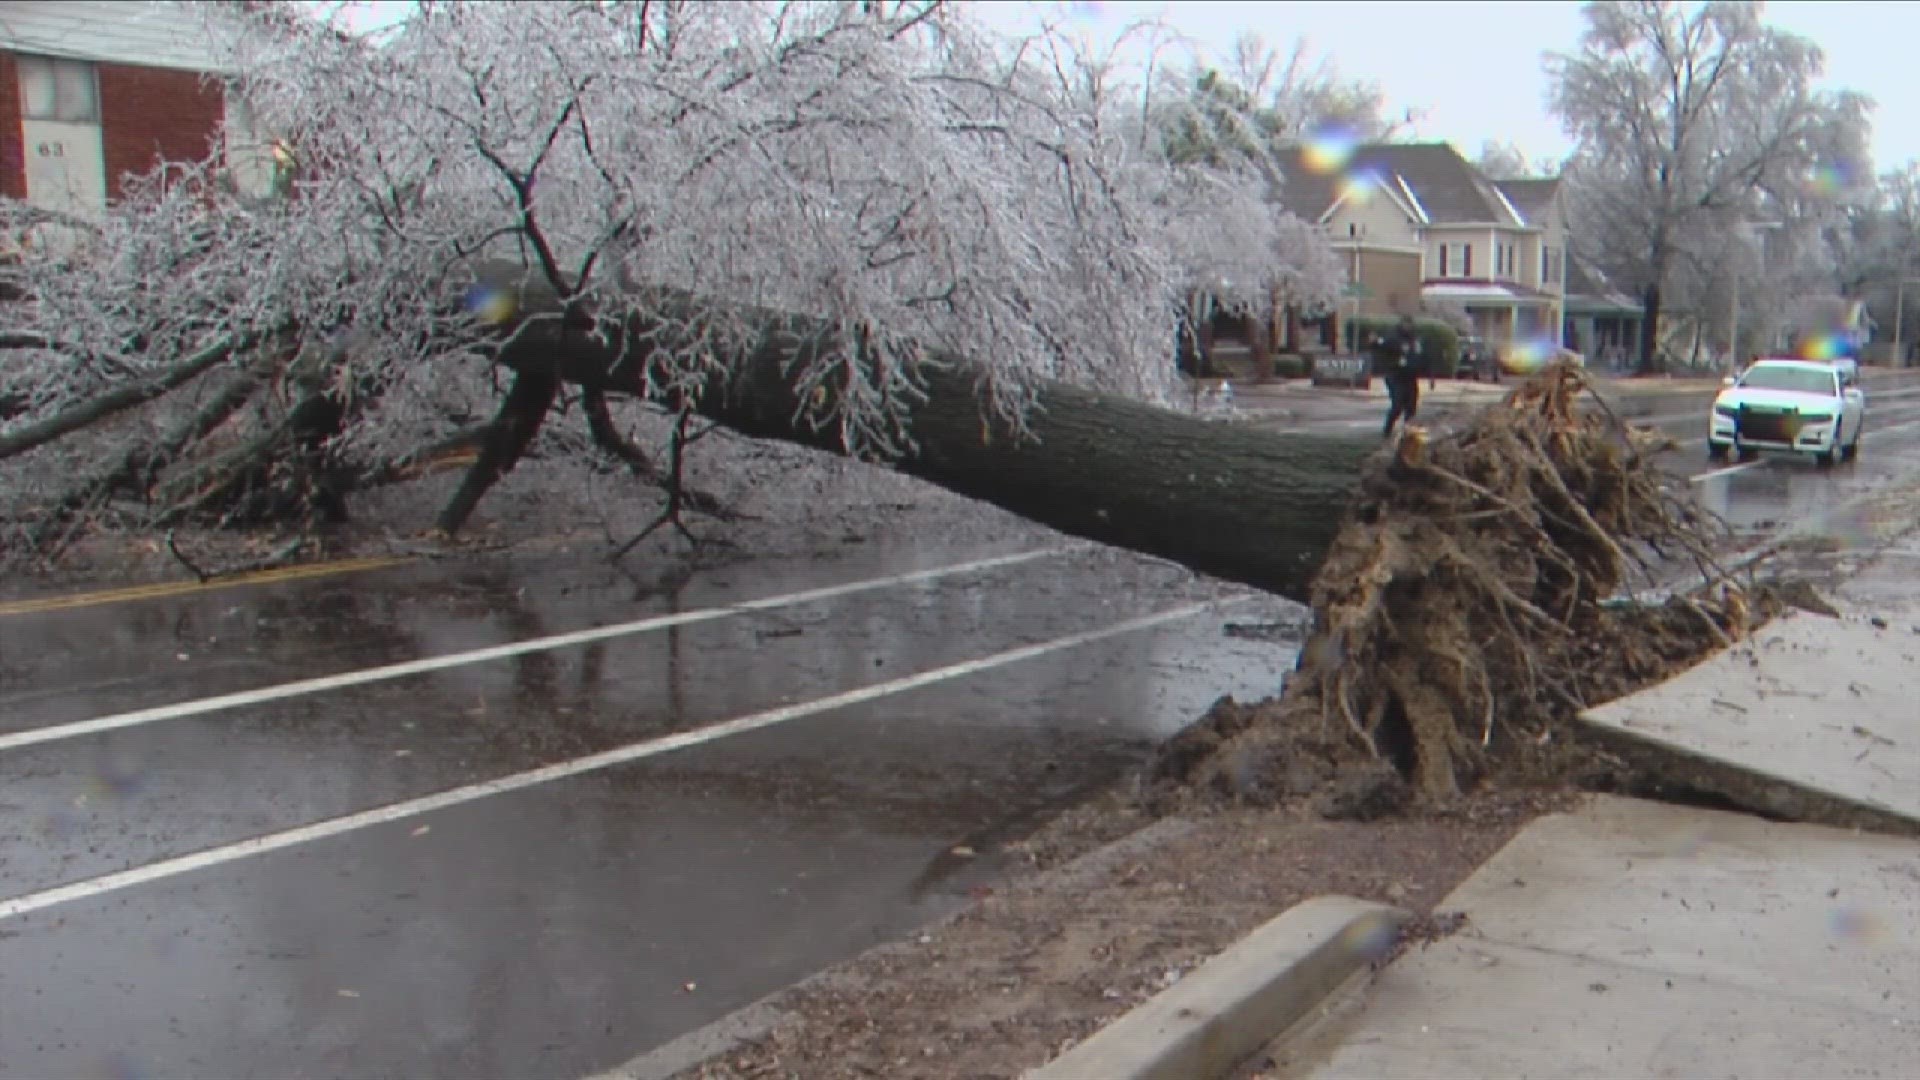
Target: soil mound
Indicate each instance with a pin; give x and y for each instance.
(1472, 604)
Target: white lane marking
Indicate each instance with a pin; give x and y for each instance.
(1705, 476)
(1873, 433)
(56, 732)
(1869, 436)
(622, 755)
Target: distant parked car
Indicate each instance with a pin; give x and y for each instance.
(1800, 406)
(1477, 360)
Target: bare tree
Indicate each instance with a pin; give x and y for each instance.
(1686, 122)
(1877, 246)
(1506, 161)
(1259, 98)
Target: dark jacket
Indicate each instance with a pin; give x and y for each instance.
(1398, 357)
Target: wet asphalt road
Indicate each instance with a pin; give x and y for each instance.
(1779, 491)
(217, 891)
(547, 928)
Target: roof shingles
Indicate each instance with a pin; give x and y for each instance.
(1447, 186)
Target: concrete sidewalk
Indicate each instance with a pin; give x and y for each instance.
(1632, 939)
(1636, 939)
(1813, 719)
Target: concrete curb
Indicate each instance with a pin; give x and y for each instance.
(1210, 1022)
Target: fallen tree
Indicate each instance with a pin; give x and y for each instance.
(908, 177)
(1471, 605)
(1252, 506)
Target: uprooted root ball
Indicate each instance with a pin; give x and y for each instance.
(1463, 611)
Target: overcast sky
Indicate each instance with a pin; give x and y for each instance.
(1474, 67)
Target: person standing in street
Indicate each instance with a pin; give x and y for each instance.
(1402, 364)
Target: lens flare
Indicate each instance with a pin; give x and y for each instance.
(1831, 180)
(1527, 356)
(492, 306)
(1821, 347)
(1328, 150)
(1853, 924)
(1359, 187)
(1372, 937)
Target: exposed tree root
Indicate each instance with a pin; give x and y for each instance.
(1469, 607)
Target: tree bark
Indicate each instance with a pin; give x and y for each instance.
(513, 429)
(1650, 331)
(1252, 506)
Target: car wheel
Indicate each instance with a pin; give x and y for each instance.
(1825, 458)
(1852, 450)
(1716, 451)
(1747, 456)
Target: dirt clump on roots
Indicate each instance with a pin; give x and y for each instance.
(1471, 605)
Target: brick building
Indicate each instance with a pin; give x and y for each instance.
(93, 92)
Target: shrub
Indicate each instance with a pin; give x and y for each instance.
(1290, 366)
(1439, 343)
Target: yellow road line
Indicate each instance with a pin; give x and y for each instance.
(182, 588)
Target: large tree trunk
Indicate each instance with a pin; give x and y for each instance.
(1252, 506)
(1650, 331)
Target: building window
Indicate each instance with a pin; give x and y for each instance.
(60, 90)
(1443, 260)
(1466, 260)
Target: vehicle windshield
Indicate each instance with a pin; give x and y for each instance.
(1799, 380)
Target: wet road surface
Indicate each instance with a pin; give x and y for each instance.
(238, 841)
(542, 863)
(1779, 490)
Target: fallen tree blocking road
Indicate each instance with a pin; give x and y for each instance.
(1254, 507)
(1250, 506)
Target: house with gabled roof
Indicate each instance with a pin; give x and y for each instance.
(1421, 226)
(1603, 321)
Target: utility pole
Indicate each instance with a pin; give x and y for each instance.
(1899, 306)
(1733, 326)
